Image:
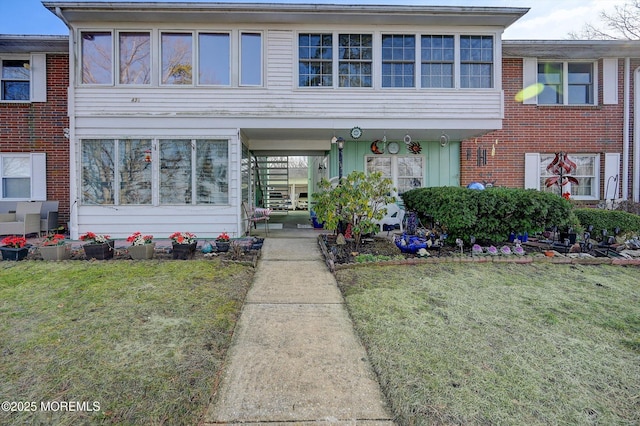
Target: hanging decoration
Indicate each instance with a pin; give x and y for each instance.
(560, 167)
(375, 148)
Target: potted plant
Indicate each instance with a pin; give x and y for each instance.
(14, 248)
(97, 246)
(223, 242)
(142, 246)
(54, 248)
(183, 245)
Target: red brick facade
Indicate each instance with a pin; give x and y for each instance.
(544, 129)
(39, 127)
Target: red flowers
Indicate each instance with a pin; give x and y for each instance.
(566, 195)
(137, 239)
(92, 238)
(183, 237)
(54, 240)
(14, 242)
(224, 237)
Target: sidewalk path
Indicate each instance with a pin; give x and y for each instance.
(295, 356)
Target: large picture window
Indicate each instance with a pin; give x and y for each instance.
(129, 165)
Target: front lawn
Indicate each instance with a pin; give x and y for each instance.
(504, 344)
(144, 340)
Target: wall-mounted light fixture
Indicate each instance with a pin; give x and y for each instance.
(340, 142)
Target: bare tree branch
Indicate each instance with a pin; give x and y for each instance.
(621, 24)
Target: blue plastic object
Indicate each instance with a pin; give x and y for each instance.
(476, 185)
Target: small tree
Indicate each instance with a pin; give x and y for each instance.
(360, 201)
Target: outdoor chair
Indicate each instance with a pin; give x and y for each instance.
(26, 219)
(49, 216)
(255, 215)
(394, 216)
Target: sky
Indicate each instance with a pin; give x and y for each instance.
(546, 19)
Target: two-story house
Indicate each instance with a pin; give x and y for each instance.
(34, 150)
(169, 102)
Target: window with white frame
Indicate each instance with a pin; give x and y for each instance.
(251, 59)
(134, 49)
(315, 60)
(214, 59)
(355, 64)
(587, 173)
(405, 171)
(566, 83)
(437, 60)
(97, 57)
(120, 171)
(476, 61)
(176, 51)
(398, 60)
(23, 176)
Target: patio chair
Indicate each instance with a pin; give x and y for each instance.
(26, 219)
(255, 215)
(394, 216)
(49, 216)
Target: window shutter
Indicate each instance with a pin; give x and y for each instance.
(532, 171)
(610, 81)
(38, 77)
(39, 176)
(611, 175)
(529, 78)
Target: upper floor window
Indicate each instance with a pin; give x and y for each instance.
(355, 53)
(251, 59)
(476, 61)
(97, 58)
(315, 55)
(15, 77)
(437, 56)
(177, 58)
(398, 60)
(566, 83)
(134, 57)
(214, 59)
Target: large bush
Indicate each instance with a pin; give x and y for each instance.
(609, 220)
(490, 215)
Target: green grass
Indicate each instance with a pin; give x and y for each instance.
(145, 340)
(502, 344)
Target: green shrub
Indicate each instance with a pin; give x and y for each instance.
(609, 220)
(490, 215)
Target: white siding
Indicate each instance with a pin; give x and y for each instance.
(280, 64)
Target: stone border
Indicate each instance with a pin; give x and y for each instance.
(333, 267)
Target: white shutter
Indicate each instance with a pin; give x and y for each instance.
(611, 175)
(529, 78)
(610, 81)
(532, 171)
(38, 176)
(38, 77)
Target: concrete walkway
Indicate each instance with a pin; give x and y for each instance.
(295, 358)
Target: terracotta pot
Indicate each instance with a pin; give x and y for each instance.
(549, 253)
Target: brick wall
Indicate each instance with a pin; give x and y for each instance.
(39, 127)
(532, 128)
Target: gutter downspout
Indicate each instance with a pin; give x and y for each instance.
(625, 129)
(73, 187)
(636, 137)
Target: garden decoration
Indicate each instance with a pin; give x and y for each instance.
(14, 248)
(99, 247)
(223, 242)
(183, 245)
(142, 246)
(55, 248)
(560, 167)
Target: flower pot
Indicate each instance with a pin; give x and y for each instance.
(222, 246)
(102, 251)
(184, 251)
(55, 252)
(10, 253)
(142, 251)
